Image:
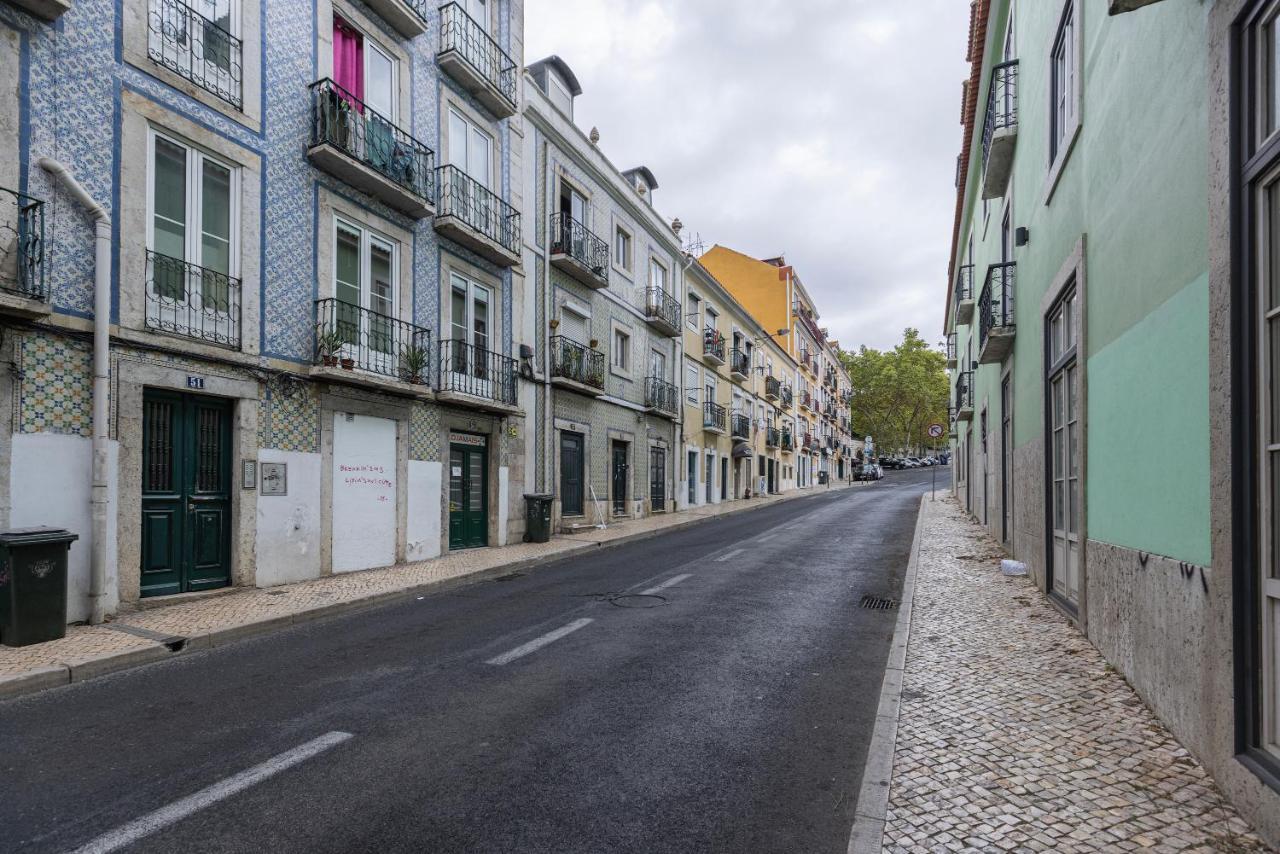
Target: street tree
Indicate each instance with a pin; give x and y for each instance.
(898, 393)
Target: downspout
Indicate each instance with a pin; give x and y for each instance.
(98, 499)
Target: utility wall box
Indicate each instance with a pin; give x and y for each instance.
(33, 585)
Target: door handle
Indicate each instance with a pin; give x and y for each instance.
(191, 507)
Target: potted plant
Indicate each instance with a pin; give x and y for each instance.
(328, 344)
(413, 364)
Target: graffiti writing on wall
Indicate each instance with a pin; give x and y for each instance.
(1188, 571)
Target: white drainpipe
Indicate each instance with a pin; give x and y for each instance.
(99, 502)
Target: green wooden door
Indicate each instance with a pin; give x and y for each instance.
(186, 493)
(468, 496)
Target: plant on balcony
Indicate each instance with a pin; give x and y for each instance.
(328, 345)
(413, 364)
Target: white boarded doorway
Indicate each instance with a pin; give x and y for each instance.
(364, 492)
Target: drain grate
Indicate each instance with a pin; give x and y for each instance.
(878, 603)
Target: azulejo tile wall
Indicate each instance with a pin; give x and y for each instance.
(290, 418)
(56, 384)
(424, 433)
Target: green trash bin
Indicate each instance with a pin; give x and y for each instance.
(33, 585)
(537, 518)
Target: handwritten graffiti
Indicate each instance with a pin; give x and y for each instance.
(1188, 571)
(372, 469)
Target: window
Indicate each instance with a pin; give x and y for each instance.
(658, 364)
(1063, 83)
(621, 351)
(694, 312)
(574, 204)
(691, 383)
(470, 333)
(364, 285)
(622, 249)
(470, 149)
(657, 275)
(199, 40)
(1063, 446)
(478, 10)
(364, 70)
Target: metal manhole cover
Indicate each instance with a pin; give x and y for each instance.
(878, 603)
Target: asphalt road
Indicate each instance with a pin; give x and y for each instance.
(728, 711)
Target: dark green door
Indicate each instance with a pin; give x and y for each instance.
(186, 493)
(468, 496)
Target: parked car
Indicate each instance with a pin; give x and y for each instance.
(870, 471)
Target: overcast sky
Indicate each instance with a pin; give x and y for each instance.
(823, 129)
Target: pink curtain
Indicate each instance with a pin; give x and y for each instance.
(348, 59)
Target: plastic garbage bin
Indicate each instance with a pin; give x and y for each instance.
(33, 585)
(537, 518)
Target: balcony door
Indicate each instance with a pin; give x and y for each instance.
(368, 74)
(470, 312)
(573, 237)
(193, 242)
(1064, 451)
(471, 153)
(478, 10)
(198, 38)
(364, 284)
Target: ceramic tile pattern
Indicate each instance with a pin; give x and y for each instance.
(55, 389)
(1015, 734)
(290, 419)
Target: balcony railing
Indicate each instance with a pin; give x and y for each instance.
(995, 306)
(787, 397)
(772, 388)
(459, 32)
(809, 442)
(713, 416)
(663, 308)
(951, 350)
(771, 437)
(964, 390)
(739, 361)
(806, 400)
(574, 240)
(740, 426)
(661, 395)
(22, 245)
(343, 121)
(478, 208)
(359, 339)
(713, 343)
(1002, 104)
(196, 48)
(787, 442)
(964, 283)
(577, 362)
(477, 372)
(191, 301)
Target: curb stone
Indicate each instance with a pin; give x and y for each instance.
(80, 670)
(867, 834)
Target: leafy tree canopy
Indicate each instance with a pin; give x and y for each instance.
(898, 393)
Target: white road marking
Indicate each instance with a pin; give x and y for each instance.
(538, 643)
(730, 556)
(138, 828)
(670, 582)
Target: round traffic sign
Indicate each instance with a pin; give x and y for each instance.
(935, 430)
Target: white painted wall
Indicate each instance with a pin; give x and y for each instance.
(364, 492)
(49, 484)
(504, 510)
(423, 537)
(288, 541)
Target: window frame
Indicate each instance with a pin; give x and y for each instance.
(693, 391)
(627, 265)
(195, 157)
(621, 342)
(1061, 139)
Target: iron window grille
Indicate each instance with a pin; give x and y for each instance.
(964, 283)
(995, 305)
(362, 339)
(661, 305)
(787, 397)
(951, 347)
(192, 301)
(1002, 104)
(578, 362)
(771, 437)
(739, 361)
(713, 416)
(461, 33)
(22, 245)
(787, 443)
(741, 426)
(200, 50)
(772, 387)
(572, 238)
(343, 121)
(476, 371)
(661, 395)
(713, 343)
(478, 207)
(964, 392)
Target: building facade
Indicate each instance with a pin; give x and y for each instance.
(606, 319)
(261, 273)
(1111, 293)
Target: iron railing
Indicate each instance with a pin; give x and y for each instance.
(951, 347)
(995, 306)
(713, 343)
(478, 207)
(787, 442)
(662, 306)
(200, 50)
(22, 245)
(1002, 104)
(661, 395)
(358, 338)
(964, 283)
(577, 362)
(963, 391)
(572, 238)
(809, 443)
(772, 387)
(740, 426)
(460, 32)
(771, 436)
(342, 120)
(787, 397)
(191, 301)
(477, 371)
(739, 361)
(806, 400)
(713, 416)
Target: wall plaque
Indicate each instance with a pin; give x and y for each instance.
(275, 478)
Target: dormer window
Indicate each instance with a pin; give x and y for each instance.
(560, 94)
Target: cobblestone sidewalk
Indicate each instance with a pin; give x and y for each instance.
(1015, 734)
(141, 636)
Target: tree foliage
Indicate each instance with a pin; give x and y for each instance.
(898, 393)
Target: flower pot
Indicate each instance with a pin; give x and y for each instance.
(348, 364)
(416, 380)
(330, 361)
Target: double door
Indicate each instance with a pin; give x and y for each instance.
(657, 479)
(468, 495)
(186, 493)
(572, 474)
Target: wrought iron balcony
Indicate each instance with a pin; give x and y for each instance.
(191, 301)
(474, 59)
(713, 416)
(1000, 129)
(577, 251)
(473, 215)
(739, 363)
(661, 396)
(788, 443)
(951, 350)
(662, 311)
(408, 17)
(195, 48)
(772, 388)
(576, 366)
(806, 400)
(363, 148)
(963, 400)
(22, 246)
(809, 442)
(712, 346)
(740, 426)
(787, 397)
(964, 294)
(771, 437)
(358, 339)
(477, 376)
(995, 314)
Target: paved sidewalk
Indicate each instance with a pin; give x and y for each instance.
(1014, 733)
(137, 637)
